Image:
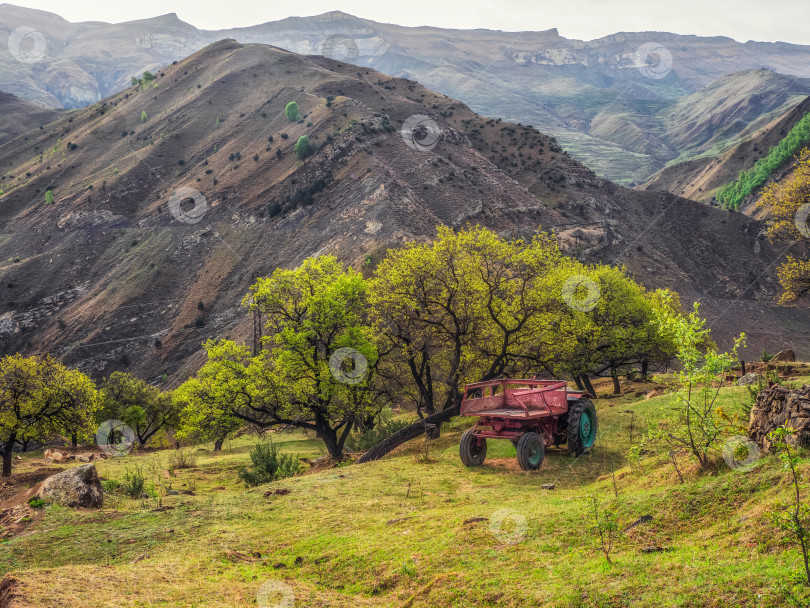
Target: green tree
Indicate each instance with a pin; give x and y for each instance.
(39, 398)
(143, 116)
(49, 197)
(203, 400)
(302, 147)
(133, 81)
(141, 406)
(292, 111)
(316, 369)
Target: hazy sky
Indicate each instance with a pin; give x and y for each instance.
(772, 20)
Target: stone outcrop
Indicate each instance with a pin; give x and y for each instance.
(779, 406)
(76, 487)
(784, 355)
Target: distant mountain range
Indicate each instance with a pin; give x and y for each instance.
(625, 105)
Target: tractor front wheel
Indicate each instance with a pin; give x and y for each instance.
(531, 451)
(581, 426)
(472, 449)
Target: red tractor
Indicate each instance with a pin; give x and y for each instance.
(533, 414)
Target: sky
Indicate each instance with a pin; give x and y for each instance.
(774, 20)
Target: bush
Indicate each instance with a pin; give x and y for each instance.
(182, 459)
(268, 465)
(110, 486)
(292, 111)
(302, 147)
(49, 197)
(134, 482)
(35, 502)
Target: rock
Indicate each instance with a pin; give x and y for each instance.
(784, 355)
(82, 458)
(775, 406)
(548, 486)
(654, 393)
(749, 378)
(76, 487)
(55, 456)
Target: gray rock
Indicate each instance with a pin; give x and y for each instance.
(76, 487)
(548, 486)
(749, 378)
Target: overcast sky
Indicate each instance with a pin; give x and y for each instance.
(771, 20)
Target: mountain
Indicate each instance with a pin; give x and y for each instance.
(171, 197)
(700, 178)
(18, 116)
(625, 105)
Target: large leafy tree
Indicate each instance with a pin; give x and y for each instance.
(40, 398)
(317, 367)
(141, 406)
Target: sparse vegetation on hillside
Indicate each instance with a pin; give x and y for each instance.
(292, 111)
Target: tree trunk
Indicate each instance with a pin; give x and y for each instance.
(7, 455)
(329, 438)
(588, 386)
(218, 444)
(74, 441)
(644, 370)
(742, 367)
(578, 381)
(617, 389)
(412, 431)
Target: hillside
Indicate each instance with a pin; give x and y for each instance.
(169, 199)
(625, 104)
(18, 116)
(699, 179)
(417, 529)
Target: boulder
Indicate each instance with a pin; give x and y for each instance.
(749, 378)
(784, 355)
(76, 487)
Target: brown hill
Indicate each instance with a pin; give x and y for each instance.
(131, 269)
(18, 117)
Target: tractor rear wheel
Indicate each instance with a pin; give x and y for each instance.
(531, 451)
(472, 449)
(581, 426)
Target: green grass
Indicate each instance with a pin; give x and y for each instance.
(393, 533)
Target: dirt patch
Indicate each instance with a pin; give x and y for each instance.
(21, 481)
(8, 591)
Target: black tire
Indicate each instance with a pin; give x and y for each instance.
(577, 442)
(472, 450)
(531, 451)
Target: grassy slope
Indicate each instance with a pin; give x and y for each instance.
(393, 533)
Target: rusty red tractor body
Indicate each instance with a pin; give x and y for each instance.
(533, 414)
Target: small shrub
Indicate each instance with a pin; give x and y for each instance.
(35, 502)
(292, 111)
(268, 465)
(134, 482)
(182, 459)
(49, 197)
(368, 438)
(110, 486)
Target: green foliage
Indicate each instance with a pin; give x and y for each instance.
(143, 116)
(695, 386)
(133, 81)
(766, 356)
(134, 482)
(604, 525)
(40, 398)
(368, 437)
(110, 485)
(182, 459)
(291, 111)
(268, 465)
(49, 197)
(302, 147)
(141, 406)
(731, 195)
(35, 502)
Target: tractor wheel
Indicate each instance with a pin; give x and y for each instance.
(531, 451)
(472, 450)
(581, 426)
